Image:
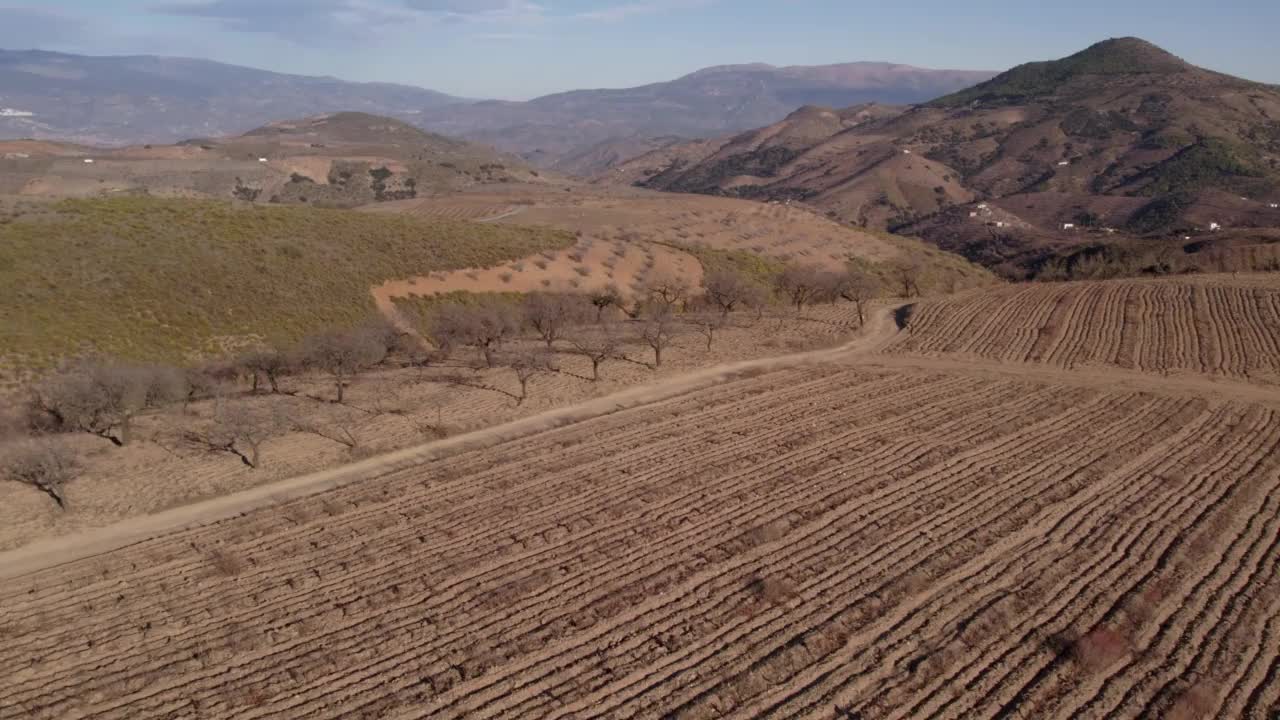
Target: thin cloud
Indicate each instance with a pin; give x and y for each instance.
(29, 27)
(301, 20)
(502, 37)
(618, 13)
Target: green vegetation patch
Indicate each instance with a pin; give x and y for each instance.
(152, 279)
(1117, 57)
(1210, 163)
(762, 269)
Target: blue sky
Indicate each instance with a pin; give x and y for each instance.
(522, 48)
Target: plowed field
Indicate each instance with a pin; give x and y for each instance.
(1216, 325)
(813, 542)
(835, 535)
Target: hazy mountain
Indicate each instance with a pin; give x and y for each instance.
(1122, 135)
(120, 100)
(709, 102)
(336, 160)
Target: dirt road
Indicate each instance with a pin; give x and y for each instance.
(861, 352)
(879, 330)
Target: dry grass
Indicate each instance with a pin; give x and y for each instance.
(168, 279)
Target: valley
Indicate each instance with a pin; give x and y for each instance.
(840, 391)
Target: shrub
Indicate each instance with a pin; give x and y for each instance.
(101, 398)
(44, 465)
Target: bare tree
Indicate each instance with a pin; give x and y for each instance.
(270, 364)
(603, 299)
(385, 335)
(657, 328)
(550, 314)
(342, 354)
(340, 430)
(238, 429)
(906, 272)
(597, 343)
(707, 317)
(99, 398)
(484, 325)
(859, 288)
(528, 365)
(728, 289)
(46, 466)
(802, 284)
(668, 292)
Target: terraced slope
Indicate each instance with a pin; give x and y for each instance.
(815, 542)
(1217, 325)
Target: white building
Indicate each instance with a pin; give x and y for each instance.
(999, 224)
(973, 214)
(1068, 226)
(88, 161)
(264, 160)
(906, 152)
(1064, 163)
(1275, 205)
(1214, 227)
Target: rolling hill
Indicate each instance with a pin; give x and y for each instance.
(339, 160)
(161, 279)
(1127, 140)
(144, 98)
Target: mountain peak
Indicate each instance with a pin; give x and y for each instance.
(1123, 56)
(1114, 58)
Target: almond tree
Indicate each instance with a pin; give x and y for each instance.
(268, 363)
(802, 284)
(729, 289)
(859, 288)
(483, 325)
(101, 398)
(667, 292)
(603, 299)
(45, 466)
(657, 328)
(906, 272)
(528, 365)
(342, 354)
(551, 314)
(597, 343)
(238, 429)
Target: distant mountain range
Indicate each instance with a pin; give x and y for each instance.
(147, 99)
(1023, 171)
(706, 103)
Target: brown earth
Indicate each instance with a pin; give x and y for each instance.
(387, 409)
(845, 533)
(333, 159)
(1215, 325)
(1121, 135)
(632, 215)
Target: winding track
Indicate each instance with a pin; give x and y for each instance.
(836, 534)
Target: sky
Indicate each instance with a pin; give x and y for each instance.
(518, 49)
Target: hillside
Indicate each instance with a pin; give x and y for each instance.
(149, 99)
(341, 159)
(169, 279)
(1122, 123)
(710, 102)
